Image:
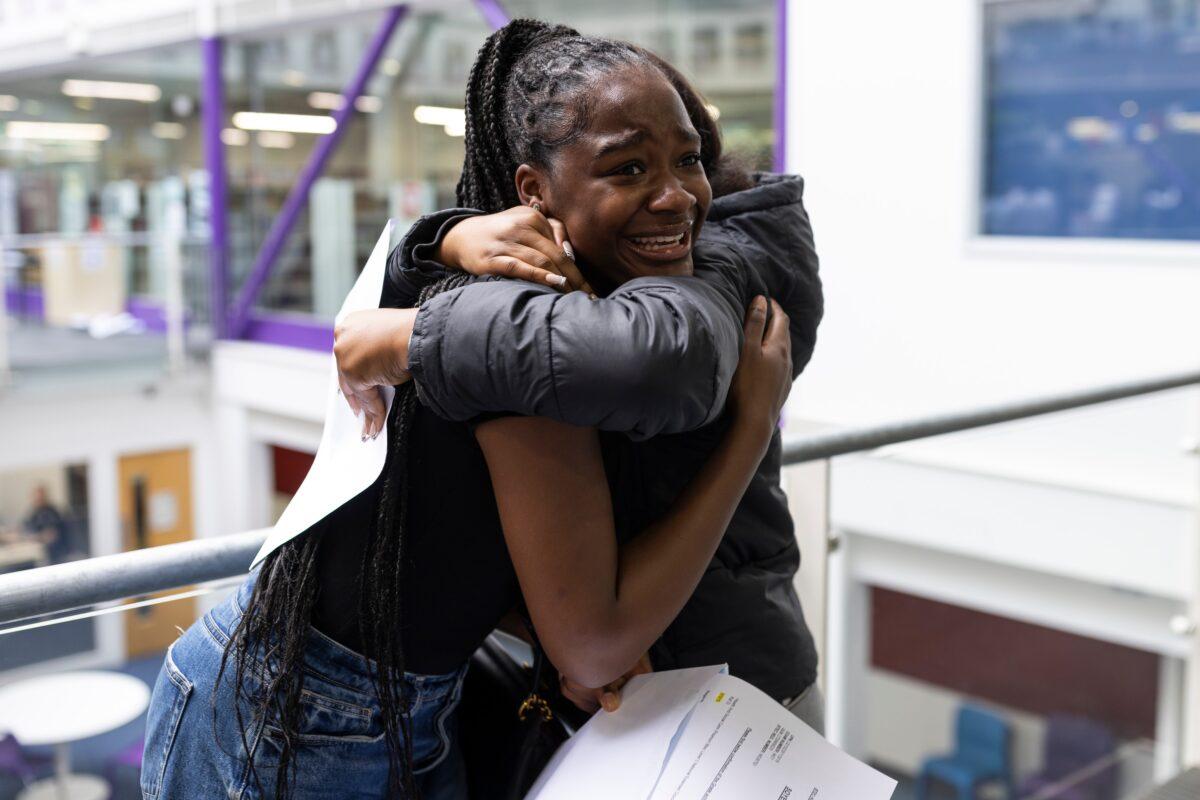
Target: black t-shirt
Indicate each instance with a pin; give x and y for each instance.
(458, 580)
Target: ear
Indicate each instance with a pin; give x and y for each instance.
(531, 185)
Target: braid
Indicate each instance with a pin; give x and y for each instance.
(268, 644)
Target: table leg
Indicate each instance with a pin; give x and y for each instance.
(62, 768)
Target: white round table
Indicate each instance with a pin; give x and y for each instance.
(65, 707)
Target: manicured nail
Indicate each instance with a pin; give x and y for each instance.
(568, 251)
(609, 701)
(557, 280)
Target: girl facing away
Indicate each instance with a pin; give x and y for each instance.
(334, 671)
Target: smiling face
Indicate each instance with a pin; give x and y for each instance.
(630, 189)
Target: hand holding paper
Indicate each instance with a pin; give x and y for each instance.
(700, 734)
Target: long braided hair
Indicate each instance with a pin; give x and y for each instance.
(525, 98)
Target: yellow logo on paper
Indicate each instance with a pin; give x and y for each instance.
(720, 696)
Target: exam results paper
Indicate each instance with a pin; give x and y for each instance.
(701, 734)
(739, 744)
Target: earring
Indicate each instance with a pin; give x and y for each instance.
(536, 207)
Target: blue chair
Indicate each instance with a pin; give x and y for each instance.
(982, 754)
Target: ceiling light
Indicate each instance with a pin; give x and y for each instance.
(58, 131)
(440, 115)
(234, 137)
(455, 130)
(9, 103)
(713, 111)
(332, 101)
(292, 77)
(168, 130)
(391, 67)
(1092, 129)
(277, 140)
(1184, 121)
(111, 90)
(289, 123)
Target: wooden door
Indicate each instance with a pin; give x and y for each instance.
(156, 509)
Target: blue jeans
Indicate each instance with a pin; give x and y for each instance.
(196, 748)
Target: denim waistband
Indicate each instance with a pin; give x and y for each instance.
(322, 656)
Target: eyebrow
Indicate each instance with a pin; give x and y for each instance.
(635, 137)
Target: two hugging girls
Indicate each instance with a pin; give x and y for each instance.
(599, 352)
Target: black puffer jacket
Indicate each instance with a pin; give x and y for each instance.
(649, 364)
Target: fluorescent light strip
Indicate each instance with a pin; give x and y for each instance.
(9, 103)
(57, 131)
(276, 140)
(169, 130)
(112, 90)
(332, 101)
(287, 123)
(234, 137)
(443, 116)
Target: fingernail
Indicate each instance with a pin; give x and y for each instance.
(557, 280)
(609, 701)
(568, 250)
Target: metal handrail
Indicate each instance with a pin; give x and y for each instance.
(65, 587)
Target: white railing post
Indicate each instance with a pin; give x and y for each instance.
(1191, 709)
(5, 364)
(173, 306)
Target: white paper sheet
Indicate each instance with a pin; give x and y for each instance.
(703, 735)
(344, 465)
(620, 755)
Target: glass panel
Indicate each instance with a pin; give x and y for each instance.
(391, 164)
(387, 164)
(104, 207)
(1092, 119)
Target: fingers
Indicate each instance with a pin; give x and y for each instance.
(375, 411)
(530, 264)
(777, 332)
(584, 699)
(348, 393)
(568, 265)
(756, 321)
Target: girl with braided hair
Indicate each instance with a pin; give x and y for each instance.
(334, 671)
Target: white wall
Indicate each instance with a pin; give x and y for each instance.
(95, 424)
(920, 316)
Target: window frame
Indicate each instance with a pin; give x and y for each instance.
(1069, 249)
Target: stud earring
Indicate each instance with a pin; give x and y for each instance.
(537, 207)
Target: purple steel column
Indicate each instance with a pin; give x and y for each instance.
(283, 224)
(493, 12)
(781, 84)
(212, 119)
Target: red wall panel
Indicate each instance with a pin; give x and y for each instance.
(1015, 664)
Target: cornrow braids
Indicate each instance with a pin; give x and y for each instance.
(525, 99)
(267, 645)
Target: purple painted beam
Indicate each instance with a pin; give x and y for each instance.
(212, 120)
(296, 199)
(781, 84)
(299, 331)
(493, 13)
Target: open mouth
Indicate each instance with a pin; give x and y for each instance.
(670, 246)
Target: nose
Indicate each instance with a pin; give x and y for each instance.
(670, 197)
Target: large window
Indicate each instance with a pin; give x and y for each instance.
(1092, 119)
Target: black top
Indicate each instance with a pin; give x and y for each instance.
(457, 578)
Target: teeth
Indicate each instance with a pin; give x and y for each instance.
(656, 242)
